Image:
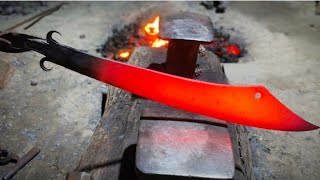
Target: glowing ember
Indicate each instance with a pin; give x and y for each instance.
(234, 49)
(159, 43)
(147, 34)
(123, 55)
(153, 27)
(152, 31)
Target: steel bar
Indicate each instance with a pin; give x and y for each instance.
(37, 17)
(21, 163)
(185, 32)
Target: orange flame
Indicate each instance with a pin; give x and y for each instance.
(152, 30)
(123, 55)
(153, 27)
(159, 43)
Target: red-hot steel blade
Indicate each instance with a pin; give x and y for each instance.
(247, 105)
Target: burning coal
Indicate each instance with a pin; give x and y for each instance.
(121, 44)
(227, 51)
(123, 54)
(152, 34)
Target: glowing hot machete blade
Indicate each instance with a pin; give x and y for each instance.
(247, 105)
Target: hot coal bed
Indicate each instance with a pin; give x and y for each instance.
(136, 34)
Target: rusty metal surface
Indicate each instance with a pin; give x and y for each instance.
(210, 69)
(186, 26)
(164, 112)
(7, 157)
(185, 31)
(182, 58)
(184, 149)
(22, 162)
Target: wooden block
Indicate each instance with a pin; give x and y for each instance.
(6, 72)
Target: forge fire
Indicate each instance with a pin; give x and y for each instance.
(159, 90)
(147, 34)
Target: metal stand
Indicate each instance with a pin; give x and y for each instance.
(174, 143)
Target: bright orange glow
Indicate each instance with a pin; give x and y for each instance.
(152, 31)
(159, 43)
(153, 27)
(247, 105)
(124, 54)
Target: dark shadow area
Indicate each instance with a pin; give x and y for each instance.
(127, 168)
(103, 103)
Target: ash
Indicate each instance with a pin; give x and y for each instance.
(125, 38)
(20, 8)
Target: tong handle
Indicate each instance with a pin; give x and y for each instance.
(12, 42)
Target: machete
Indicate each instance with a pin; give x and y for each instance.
(246, 105)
